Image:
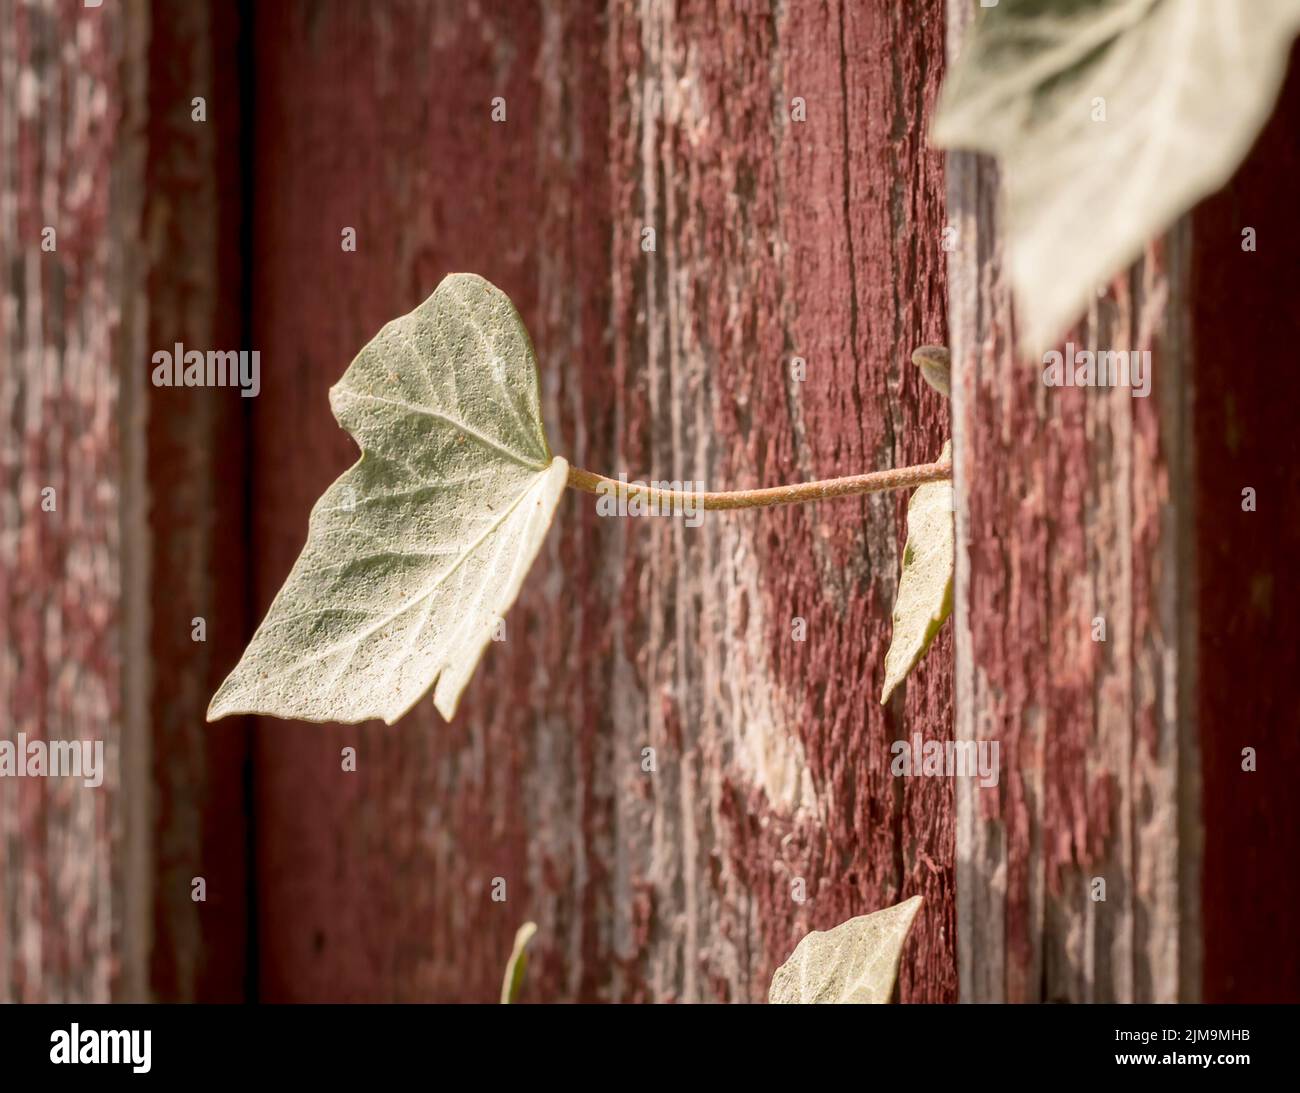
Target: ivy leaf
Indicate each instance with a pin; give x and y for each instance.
(856, 962)
(925, 586)
(1185, 89)
(416, 552)
(517, 965)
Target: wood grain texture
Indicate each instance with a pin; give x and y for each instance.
(1123, 760)
(1244, 327)
(1073, 506)
(773, 239)
(73, 914)
(196, 470)
(97, 597)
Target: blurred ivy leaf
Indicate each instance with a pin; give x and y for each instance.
(925, 586)
(416, 552)
(856, 962)
(1110, 118)
(517, 965)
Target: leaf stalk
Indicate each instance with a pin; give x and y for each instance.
(897, 478)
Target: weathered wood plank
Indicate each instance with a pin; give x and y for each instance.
(97, 596)
(1245, 328)
(773, 239)
(73, 868)
(1069, 502)
(196, 468)
(1124, 761)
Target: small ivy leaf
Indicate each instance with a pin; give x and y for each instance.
(517, 965)
(925, 585)
(415, 553)
(935, 363)
(1110, 119)
(854, 963)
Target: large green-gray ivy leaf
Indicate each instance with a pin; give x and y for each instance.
(856, 962)
(415, 553)
(1185, 85)
(925, 586)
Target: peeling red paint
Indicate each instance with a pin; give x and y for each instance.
(1088, 504)
(1067, 515)
(773, 239)
(61, 571)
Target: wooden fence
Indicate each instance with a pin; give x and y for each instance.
(781, 230)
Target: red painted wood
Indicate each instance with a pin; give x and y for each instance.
(375, 885)
(197, 484)
(1072, 514)
(773, 239)
(1246, 329)
(1123, 760)
(65, 144)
